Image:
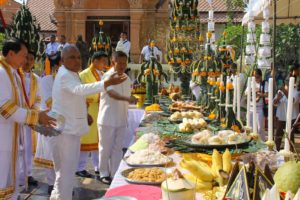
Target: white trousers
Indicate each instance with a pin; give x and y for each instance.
(26, 155)
(260, 122)
(6, 173)
(84, 157)
(111, 140)
(50, 173)
(65, 152)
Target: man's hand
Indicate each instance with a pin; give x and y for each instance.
(45, 120)
(115, 80)
(132, 100)
(90, 119)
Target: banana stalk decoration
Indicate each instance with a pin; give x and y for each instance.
(151, 74)
(101, 42)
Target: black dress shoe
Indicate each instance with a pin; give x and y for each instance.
(50, 188)
(32, 181)
(84, 174)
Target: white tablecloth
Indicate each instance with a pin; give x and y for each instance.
(119, 179)
(135, 117)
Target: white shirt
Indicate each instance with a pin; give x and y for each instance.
(52, 48)
(61, 46)
(260, 103)
(282, 106)
(114, 113)
(124, 46)
(146, 51)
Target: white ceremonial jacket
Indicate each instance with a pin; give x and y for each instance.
(69, 100)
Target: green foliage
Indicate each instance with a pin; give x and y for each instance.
(287, 45)
(25, 27)
(287, 42)
(2, 38)
(234, 36)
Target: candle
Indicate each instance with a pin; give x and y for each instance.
(234, 94)
(289, 113)
(253, 86)
(238, 97)
(210, 14)
(270, 110)
(248, 101)
(227, 94)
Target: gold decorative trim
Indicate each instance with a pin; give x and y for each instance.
(32, 117)
(89, 147)
(8, 108)
(40, 162)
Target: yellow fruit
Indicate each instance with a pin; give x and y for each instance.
(199, 169)
(199, 184)
(216, 162)
(227, 165)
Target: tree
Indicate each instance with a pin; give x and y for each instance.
(25, 27)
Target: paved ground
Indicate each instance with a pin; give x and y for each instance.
(85, 189)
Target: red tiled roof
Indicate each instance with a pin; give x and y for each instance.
(221, 17)
(217, 5)
(42, 9)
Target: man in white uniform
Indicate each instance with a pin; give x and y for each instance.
(31, 91)
(148, 50)
(124, 44)
(13, 114)
(112, 119)
(52, 51)
(68, 96)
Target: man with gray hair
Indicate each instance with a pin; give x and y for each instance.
(68, 96)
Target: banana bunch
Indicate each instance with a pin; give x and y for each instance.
(204, 176)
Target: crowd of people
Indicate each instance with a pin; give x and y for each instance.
(93, 103)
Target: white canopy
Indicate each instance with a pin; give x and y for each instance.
(287, 10)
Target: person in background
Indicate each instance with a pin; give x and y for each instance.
(280, 101)
(112, 119)
(31, 91)
(89, 142)
(84, 52)
(124, 43)
(148, 50)
(261, 95)
(52, 51)
(62, 43)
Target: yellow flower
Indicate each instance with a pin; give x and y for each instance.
(147, 72)
(222, 87)
(229, 86)
(235, 128)
(212, 116)
(223, 125)
(195, 73)
(224, 34)
(201, 38)
(218, 83)
(202, 74)
(209, 34)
